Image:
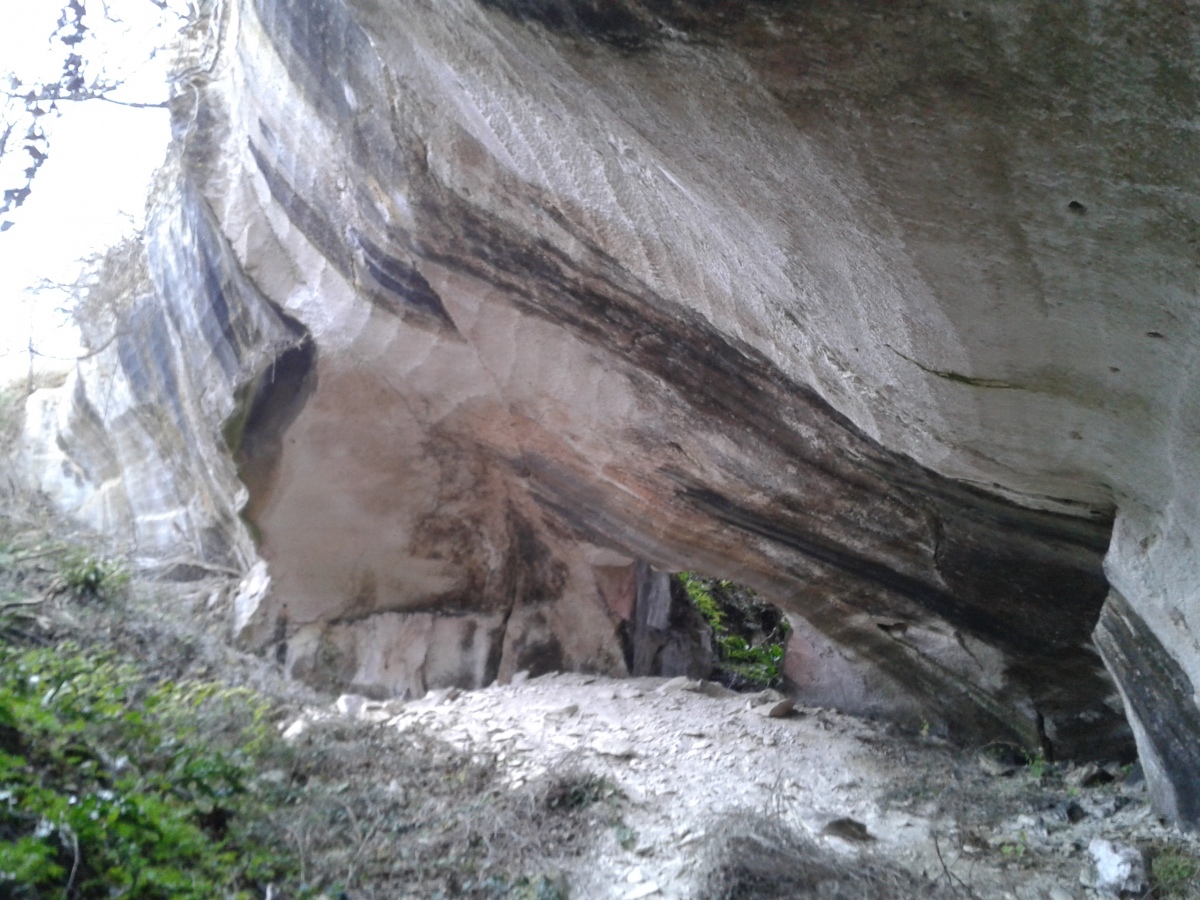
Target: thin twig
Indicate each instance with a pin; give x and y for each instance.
(302, 848)
(25, 557)
(75, 864)
(163, 104)
(950, 876)
(192, 561)
(364, 840)
(18, 604)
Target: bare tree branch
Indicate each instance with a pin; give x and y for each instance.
(75, 84)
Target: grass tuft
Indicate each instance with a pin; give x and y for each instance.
(762, 858)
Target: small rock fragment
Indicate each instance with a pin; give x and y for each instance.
(994, 767)
(762, 698)
(608, 745)
(1088, 775)
(1116, 869)
(520, 677)
(1057, 893)
(645, 889)
(777, 710)
(350, 705)
(999, 760)
(677, 684)
(438, 697)
(634, 795)
(635, 876)
(1104, 807)
(712, 689)
(848, 830)
(1063, 812)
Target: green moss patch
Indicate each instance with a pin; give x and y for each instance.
(749, 634)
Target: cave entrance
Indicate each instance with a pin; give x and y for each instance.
(700, 626)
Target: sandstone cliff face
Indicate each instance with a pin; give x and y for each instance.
(891, 315)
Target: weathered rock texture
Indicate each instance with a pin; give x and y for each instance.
(131, 442)
(889, 312)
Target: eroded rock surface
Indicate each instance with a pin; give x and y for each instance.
(891, 316)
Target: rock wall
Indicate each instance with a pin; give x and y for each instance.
(131, 442)
(891, 315)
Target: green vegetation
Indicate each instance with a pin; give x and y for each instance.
(699, 591)
(1037, 765)
(110, 787)
(1016, 849)
(1174, 872)
(87, 575)
(749, 634)
(113, 783)
(128, 770)
(626, 836)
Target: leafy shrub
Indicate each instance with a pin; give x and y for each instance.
(88, 575)
(759, 664)
(117, 783)
(114, 784)
(750, 635)
(701, 596)
(108, 787)
(1174, 873)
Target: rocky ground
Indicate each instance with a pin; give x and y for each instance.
(688, 757)
(671, 788)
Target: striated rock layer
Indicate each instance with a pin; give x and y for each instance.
(890, 314)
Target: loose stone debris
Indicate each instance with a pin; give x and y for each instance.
(689, 755)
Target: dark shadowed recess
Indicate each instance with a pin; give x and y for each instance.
(269, 405)
(666, 636)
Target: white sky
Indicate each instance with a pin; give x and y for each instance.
(92, 188)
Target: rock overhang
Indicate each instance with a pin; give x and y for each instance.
(884, 314)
